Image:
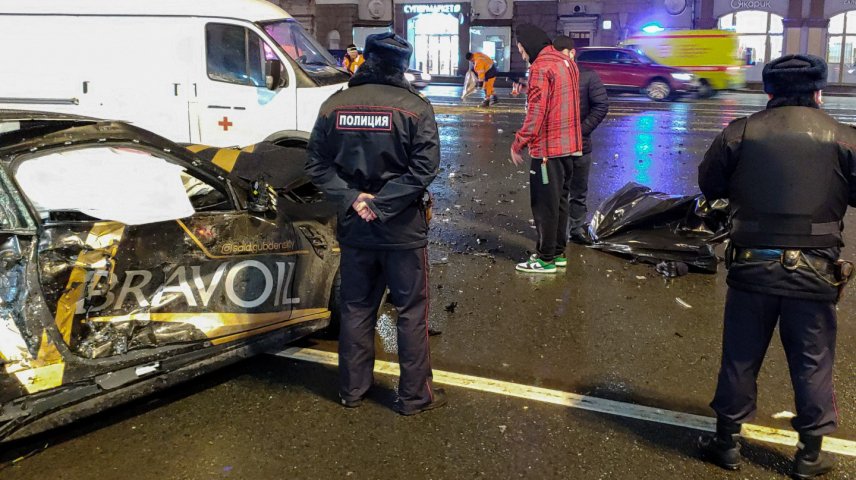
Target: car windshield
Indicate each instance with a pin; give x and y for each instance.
(300, 46)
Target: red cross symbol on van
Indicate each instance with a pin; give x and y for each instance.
(225, 123)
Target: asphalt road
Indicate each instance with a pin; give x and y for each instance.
(606, 328)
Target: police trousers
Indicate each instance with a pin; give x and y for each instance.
(366, 274)
(808, 331)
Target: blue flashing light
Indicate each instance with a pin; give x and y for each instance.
(652, 28)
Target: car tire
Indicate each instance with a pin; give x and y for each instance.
(332, 330)
(705, 90)
(658, 90)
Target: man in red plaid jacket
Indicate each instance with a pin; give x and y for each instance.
(551, 130)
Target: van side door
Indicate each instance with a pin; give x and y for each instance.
(235, 104)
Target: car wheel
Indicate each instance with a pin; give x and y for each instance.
(332, 330)
(658, 90)
(705, 90)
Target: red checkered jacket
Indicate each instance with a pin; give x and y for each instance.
(552, 124)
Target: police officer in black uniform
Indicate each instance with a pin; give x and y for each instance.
(789, 173)
(374, 150)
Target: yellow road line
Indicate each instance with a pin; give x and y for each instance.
(583, 402)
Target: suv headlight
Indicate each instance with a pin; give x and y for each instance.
(409, 77)
(684, 77)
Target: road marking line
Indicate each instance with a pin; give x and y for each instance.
(582, 402)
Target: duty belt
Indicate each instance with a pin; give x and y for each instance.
(790, 259)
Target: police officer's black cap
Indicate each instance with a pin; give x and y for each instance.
(388, 48)
(794, 75)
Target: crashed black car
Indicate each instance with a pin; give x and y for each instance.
(129, 264)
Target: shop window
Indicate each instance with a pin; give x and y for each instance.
(234, 55)
(841, 48)
(495, 42)
(760, 35)
(361, 33)
(333, 39)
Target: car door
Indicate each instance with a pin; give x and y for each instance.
(601, 61)
(234, 106)
(141, 252)
(29, 364)
(629, 71)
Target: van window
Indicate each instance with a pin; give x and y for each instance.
(310, 57)
(234, 55)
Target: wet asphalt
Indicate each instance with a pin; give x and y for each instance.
(605, 327)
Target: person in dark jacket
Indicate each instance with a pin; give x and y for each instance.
(594, 105)
(789, 173)
(374, 150)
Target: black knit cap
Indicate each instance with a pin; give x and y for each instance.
(794, 75)
(533, 40)
(388, 48)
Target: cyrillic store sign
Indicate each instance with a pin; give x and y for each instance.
(433, 8)
(751, 4)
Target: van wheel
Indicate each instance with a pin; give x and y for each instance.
(658, 90)
(705, 90)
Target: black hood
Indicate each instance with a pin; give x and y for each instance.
(533, 40)
(374, 72)
(387, 56)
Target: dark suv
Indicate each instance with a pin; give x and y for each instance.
(628, 70)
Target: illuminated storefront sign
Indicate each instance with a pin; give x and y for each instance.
(750, 4)
(433, 8)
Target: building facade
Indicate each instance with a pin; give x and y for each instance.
(442, 31)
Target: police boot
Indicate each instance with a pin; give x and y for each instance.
(722, 448)
(810, 461)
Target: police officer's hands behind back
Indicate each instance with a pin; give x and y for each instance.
(362, 208)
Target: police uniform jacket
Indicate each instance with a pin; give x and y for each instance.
(380, 137)
(789, 173)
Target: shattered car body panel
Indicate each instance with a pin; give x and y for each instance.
(95, 312)
(653, 226)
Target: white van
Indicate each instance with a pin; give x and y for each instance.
(217, 72)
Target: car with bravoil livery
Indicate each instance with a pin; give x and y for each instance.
(129, 263)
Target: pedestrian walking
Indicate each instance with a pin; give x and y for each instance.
(353, 59)
(789, 173)
(485, 69)
(551, 131)
(374, 150)
(594, 105)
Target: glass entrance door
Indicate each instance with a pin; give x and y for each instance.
(436, 43)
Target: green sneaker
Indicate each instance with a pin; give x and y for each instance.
(561, 262)
(536, 266)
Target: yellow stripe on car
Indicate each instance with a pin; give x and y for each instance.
(225, 158)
